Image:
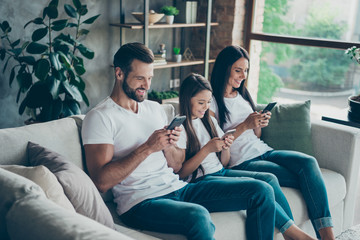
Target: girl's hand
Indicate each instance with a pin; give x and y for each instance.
(215, 145)
(229, 139)
(257, 120)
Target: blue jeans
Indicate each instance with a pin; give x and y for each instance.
(297, 170)
(283, 215)
(186, 211)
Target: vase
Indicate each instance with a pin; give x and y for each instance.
(169, 19)
(177, 58)
(354, 108)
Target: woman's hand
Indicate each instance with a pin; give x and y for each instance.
(215, 145)
(257, 120)
(229, 139)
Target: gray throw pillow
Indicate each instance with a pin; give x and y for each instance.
(78, 186)
(289, 127)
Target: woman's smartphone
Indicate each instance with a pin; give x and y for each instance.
(269, 107)
(228, 132)
(177, 121)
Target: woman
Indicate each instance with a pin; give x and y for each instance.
(233, 108)
(206, 154)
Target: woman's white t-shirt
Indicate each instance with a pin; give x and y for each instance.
(247, 146)
(211, 163)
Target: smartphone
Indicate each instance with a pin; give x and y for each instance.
(177, 121)
(228, 132)
(269, 107)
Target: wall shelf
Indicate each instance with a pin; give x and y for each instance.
(181, 64)
(161, 25)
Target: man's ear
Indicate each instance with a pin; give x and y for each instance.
(119, 74)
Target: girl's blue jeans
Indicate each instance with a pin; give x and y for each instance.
(283, 215)
(296, 170)
(187, 210)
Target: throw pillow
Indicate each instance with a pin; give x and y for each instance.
(78, 186)
(46, 180)
(289, 127)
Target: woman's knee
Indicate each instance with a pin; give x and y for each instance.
(198, 223)
(263, 192)
(269, 178)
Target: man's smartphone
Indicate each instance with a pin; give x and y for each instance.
(177, 121)
(269, 107)
(228, 132)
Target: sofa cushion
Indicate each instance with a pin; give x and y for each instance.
(289, 127)
(38, 218)
(46, 180)
(78, 187)
(13, 187)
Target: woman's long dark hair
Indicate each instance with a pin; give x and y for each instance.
(220, 78)
(192, 85)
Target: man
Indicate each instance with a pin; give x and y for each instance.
(129, 150)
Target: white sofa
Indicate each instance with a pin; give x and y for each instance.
(336, 147)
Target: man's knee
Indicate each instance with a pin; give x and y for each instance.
(263, 193)
(199, 223)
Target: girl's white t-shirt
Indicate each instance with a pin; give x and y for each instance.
(211, 163)
(109, 123)
(247, 146)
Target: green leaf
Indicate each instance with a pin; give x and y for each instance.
(12, 76)
(52, 11)
(2, 54)
(59, 25)
(23, 103)
(38, 95)
(60, 75)
(6, 63)
(39, 34)
(64, 59)
(16, 51)
(57, 108)
(54, 59)
(5, 27)
(91, 20)
(70, 11)
(54, 3)
(42, 69)
(36, 21)
(54, 86)
(72, 91)
(24, 80)
(85, 99)
(14, 44)
(72, 25)
(83, 32)
(71, 107)
(80, 70)
(83, 10)
(77, 4)
(27, 59)
(86, 52)
(25, 44)
(36, 48)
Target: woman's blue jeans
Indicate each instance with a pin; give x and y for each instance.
(283, 215)
(297, 170)
(186, 211)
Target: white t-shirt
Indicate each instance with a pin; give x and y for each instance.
(109, 123)
(247, 146)
(211, 163)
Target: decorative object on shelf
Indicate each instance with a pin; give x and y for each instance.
(160, 56)
(153, 17)
(188, 55)
(188, 11)
(170, 12)
(165, 96)
(354, 101)
(49, 72)
(177, 56)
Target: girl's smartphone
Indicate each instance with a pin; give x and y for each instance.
(177, 121)
(269, 107)
(228, 132)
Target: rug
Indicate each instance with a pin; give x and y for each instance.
(352, 233)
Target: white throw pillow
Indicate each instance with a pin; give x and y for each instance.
(42, 176)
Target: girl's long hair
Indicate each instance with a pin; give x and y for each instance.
(192, 85)
(220, 78)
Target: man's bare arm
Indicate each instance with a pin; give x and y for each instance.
(175, 157)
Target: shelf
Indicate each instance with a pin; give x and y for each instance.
(181, 64)
(161, 25)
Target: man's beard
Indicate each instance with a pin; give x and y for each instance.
(131, 93)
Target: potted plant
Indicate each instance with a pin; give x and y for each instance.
(170, 12)
(165, 96)
(177, 56)
(48, 68)
(354, 100)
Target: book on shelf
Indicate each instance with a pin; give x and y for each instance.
(159, 61)
(187, 11)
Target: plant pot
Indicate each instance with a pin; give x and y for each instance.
(169, 19)
(177, 58)
(354, 108)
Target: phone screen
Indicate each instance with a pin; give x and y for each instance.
(269, 107)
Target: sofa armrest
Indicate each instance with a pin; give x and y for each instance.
(337, 147)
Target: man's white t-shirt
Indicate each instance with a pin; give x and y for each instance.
(247, 146)
(109, 123)
(211, 163)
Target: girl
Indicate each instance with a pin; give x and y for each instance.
(233, 108)
(207, 154)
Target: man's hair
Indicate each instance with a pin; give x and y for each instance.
(124, 57)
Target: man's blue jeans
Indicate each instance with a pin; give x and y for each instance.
(283, 215)
(186, 211)
(297, 170)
